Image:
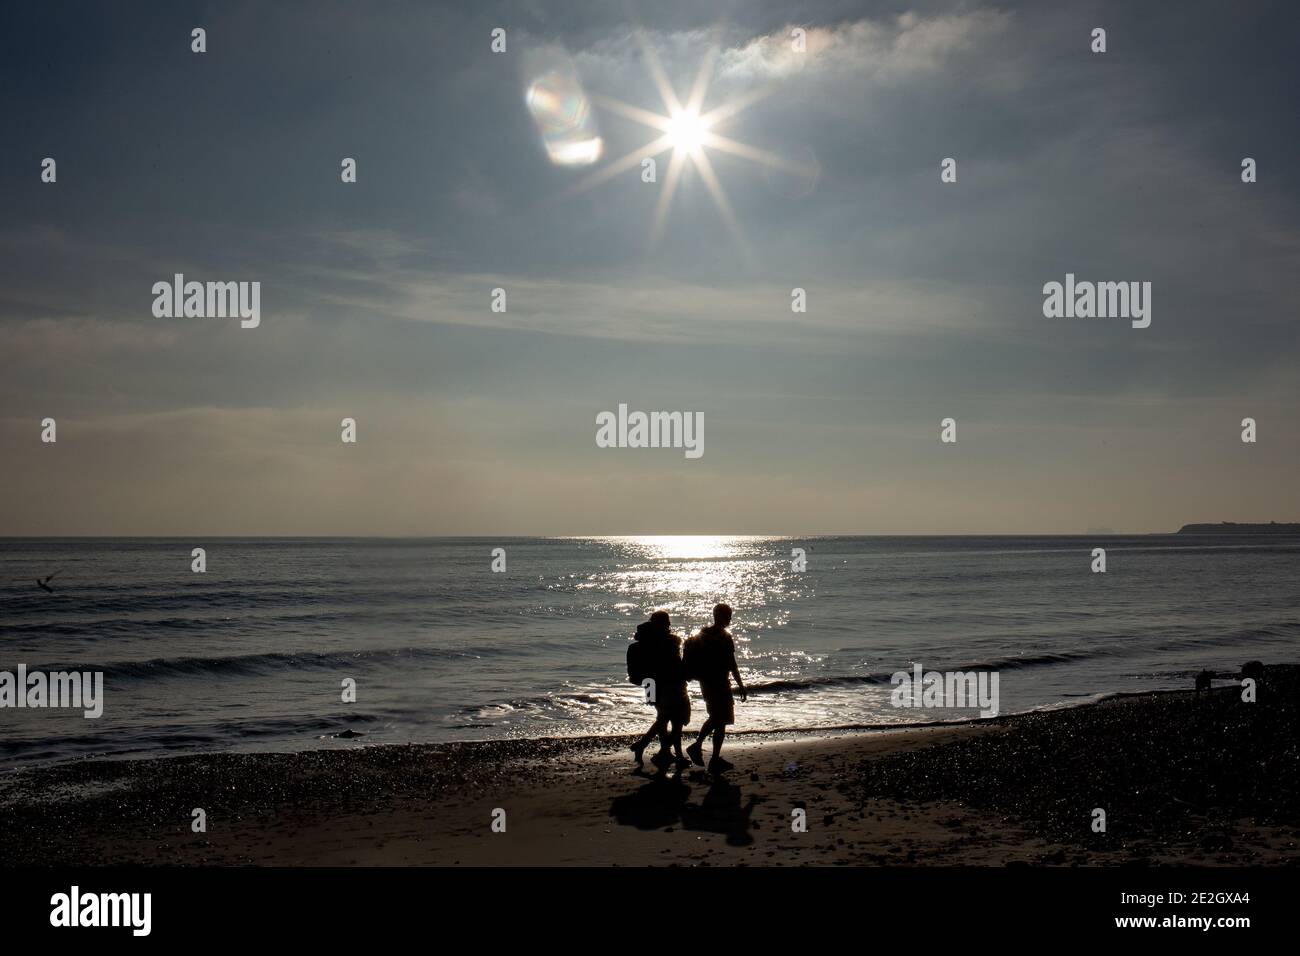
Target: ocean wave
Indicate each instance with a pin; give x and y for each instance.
(258, 664)
(183, 738)
(617, 695)
(841, 680)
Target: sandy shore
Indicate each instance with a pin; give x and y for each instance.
(1205, 780)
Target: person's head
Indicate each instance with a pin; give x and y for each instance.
(722, 614)
(660, 620)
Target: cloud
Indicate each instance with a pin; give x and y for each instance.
(43, 343)
(884, 50)
(652, 309)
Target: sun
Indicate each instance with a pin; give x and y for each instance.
(691, 134)
(687, 130)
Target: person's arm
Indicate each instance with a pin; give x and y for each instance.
(735, 672)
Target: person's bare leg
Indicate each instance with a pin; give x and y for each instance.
(665, 738)
(638, 748)
(696, 750)
(718, 764)
(676, 737)
(705, 730)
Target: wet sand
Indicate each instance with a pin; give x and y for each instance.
(1184, 779)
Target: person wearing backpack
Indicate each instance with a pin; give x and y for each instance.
(710, 658)
(655, 653)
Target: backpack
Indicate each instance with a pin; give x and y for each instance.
(703, 657)
(691, 654)
(638, 662)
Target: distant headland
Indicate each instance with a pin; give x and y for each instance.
(1231, 527)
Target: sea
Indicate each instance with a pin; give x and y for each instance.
(281, 644)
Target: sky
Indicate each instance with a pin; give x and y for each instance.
(924, 298)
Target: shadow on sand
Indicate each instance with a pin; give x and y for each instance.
(666, 800)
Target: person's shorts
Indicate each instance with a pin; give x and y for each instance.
(720, 704)
(675, 707)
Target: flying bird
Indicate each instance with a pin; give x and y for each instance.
(44, 583)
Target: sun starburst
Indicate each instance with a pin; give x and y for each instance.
(690, 132)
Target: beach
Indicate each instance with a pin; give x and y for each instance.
(1196, 779)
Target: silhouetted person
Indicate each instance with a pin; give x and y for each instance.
(1253, 670)
(710, 658)
(1203, 680)
(662, 662)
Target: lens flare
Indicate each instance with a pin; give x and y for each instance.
(563, 116)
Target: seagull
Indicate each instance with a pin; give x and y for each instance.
(44, 583)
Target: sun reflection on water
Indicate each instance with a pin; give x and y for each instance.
(690, 547)
(686, 575)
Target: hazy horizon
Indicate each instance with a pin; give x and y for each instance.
(632, 535)
(924, 298)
